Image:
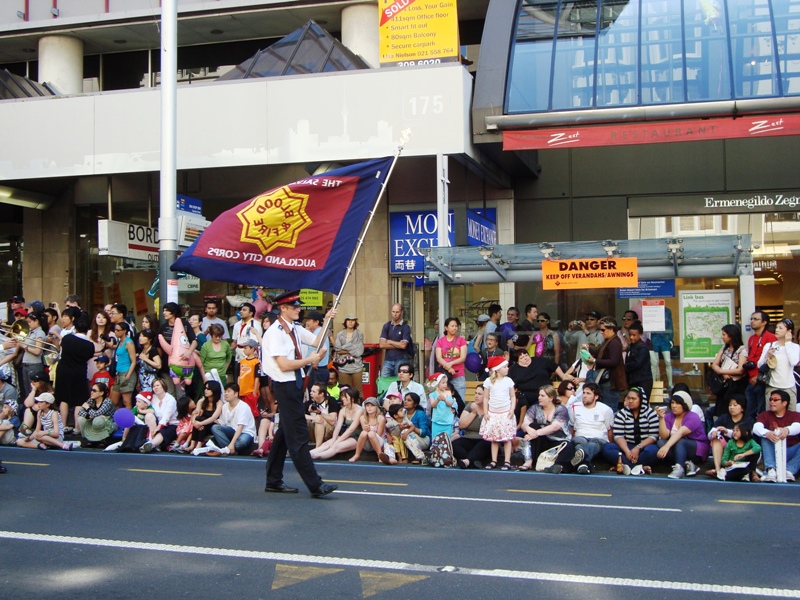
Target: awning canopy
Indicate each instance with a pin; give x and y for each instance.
(665, 258)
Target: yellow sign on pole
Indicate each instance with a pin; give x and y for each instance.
(311, 298)
(418, 32)
(588, 273)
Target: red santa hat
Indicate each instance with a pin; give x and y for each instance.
(496, 363)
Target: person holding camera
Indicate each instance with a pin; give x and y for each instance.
(585, 333)
(321, 413)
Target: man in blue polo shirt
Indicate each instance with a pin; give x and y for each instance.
(395, 339)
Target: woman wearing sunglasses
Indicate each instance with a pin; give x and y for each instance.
(96, 416)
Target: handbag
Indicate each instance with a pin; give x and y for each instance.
(441, 451)
(548, 457)
(598, 376)
(341, 360)
(764, 374)
(717, 384)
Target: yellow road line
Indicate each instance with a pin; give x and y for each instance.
(174, 472)
(759, 502)
(366, 482)
(560, 493)
(27, 464)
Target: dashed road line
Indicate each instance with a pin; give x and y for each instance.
(509, 501)
(174, 472)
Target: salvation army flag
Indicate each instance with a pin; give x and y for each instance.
(300, 235)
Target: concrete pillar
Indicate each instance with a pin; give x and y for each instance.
(61, 63)
(360, 31)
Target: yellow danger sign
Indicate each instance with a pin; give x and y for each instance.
(418, 32)
(588, 273)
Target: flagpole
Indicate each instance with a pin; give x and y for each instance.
(403, 139)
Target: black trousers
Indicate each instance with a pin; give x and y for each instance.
(292, 436)
(472, 449)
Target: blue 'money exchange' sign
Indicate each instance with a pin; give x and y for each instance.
(408, 233)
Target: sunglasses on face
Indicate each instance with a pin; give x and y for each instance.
(571, 388)
(404, 371)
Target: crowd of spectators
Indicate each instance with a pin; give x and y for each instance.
(80, 381)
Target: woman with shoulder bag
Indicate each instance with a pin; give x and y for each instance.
(729, 365)
(545, 426)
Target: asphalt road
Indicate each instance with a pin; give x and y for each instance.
(133, 526)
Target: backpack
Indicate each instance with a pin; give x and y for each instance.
(441, 451)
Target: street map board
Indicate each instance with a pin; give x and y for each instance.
(703, 313)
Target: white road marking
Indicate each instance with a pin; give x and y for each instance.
(400, 566)
(505, 501)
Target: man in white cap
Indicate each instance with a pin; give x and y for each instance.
(285, 364)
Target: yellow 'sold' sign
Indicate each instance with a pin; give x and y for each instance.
(587, 273)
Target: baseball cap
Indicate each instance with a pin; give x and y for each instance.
(316, 315)
(45, 397)
(483, 318)
(102, 358)
(252, 344)
(16, 300)
(371, 400)
(593, 313)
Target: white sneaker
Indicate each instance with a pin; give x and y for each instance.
(225, 451)
(212, 446)
(721, 474)
(677, 472)
(199, 451)
(789, 476)
(112, 447)
(691, 469)
(146, 447)
(770, 476)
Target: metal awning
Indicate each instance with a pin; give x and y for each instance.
(664, 258)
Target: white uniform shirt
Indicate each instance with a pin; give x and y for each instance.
(276, 342)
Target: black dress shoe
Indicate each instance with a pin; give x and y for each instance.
(324, 490)
(280, 489)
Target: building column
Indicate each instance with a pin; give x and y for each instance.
(360, 31)
(61, 63)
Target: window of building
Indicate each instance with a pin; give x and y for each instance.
(596, 53)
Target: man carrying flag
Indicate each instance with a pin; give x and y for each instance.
(284, 364)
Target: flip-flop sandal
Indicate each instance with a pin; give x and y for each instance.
(384, 458)
(42, 447)
(525, 468)
(490, 466)
(506, 466)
